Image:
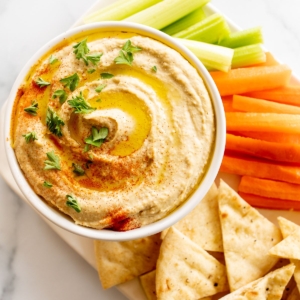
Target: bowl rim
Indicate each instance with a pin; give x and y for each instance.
(103, 234)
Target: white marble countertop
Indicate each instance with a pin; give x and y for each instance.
(34, 262)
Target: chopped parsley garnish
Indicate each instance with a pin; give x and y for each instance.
(97, 137)
(78, 170)
(80, 105)
(81, 50)
(47, 184)
(100, 87)
(52, 60)
(72, 202)
(106, 75)
(154, 68)
(91, 71)
(126, 54)
(61, 94)
(71, 82)
(54, 122)
(30, 137)
(53, 162)
(32, 109)
(42, 83)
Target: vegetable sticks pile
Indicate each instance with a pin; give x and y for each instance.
(209, 37)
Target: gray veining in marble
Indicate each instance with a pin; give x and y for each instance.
(35, 263)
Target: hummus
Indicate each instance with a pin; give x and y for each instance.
(133, 147)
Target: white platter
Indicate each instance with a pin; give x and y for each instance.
(83, 246)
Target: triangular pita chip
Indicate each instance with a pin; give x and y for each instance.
(270, 287)
(287, 228)
(186, 271)
(247, 238)
(289, 247)
(202, 225)
(148, 284)
(119, 262)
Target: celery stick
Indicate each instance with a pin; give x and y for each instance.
(185, 22)
(243, 38)
(166, 12)
(210, 30)
(212, 56)
(119, 10)
(248, 55)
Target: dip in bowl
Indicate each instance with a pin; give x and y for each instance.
(114, 126)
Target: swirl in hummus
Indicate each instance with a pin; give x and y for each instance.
(157, 125)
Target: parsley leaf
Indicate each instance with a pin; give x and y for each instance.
(94, 58)
(54, 122)
(81, 49)
(106, 75)
(78, 170)
(97, 137)
(71, 82)
(32, 109)
(91, 71)
(100, 87)
(47, 184)
(129, 48)
(154, 68)
(126, 54)
(30, 137)
(53, 162)
(42, 83)
(61, 94)
(125, 58)
(80, 105)
(52, 60)
(72, 202)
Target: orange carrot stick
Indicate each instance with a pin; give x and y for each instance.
(270, 61)
(270, 150)
(246, 80)
(242, 103)
(261, 169)
(262, 122)
(276, 137)
(269, 188)
(270, 203)
(289, 94)
(227, 104)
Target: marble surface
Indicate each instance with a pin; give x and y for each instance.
(34, 262)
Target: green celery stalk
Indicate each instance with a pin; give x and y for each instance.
(166, 12)
(212, 56)
(243, 38)
(210, 30)
(119, 10)
(248, 55)
(185, 22)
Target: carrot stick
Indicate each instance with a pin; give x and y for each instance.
(289, 94)
(262, 122)
(246, 80)
(261, 169)
(270, 150)
(243, 103)
(275, 137)
(270, 61)
(227, 104)
(269, 188)
(270, 203)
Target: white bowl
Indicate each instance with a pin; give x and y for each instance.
(66, 223)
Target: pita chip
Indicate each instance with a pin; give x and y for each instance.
(202, 225)
(289, 247)
(148, 284)
(247, 238)
(118, 262)
(287, 228)
(270, 287)
(186, 271)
